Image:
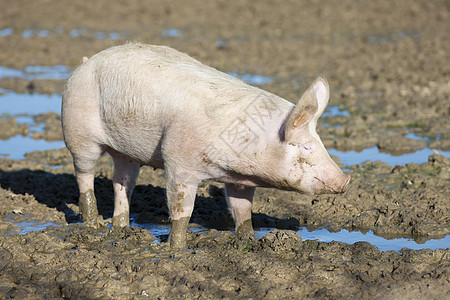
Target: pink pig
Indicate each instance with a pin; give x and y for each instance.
(152, 105)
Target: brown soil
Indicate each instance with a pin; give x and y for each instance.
(387, 63)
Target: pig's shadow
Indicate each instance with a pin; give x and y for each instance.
(148, 203)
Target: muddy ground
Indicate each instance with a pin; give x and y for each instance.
(387, 64)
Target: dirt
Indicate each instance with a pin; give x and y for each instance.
(9, 128)
(387, 66)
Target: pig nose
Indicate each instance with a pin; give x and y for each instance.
(345, 186)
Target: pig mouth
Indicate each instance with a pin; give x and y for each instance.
(339, 190)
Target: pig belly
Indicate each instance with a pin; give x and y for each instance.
(142, 145)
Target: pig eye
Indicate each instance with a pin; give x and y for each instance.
(306, 147)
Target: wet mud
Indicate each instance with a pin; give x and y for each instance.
(390, 86)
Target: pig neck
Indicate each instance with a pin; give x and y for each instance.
(262, 161)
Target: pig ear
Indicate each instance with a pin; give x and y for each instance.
(309, 108)
(321, 90)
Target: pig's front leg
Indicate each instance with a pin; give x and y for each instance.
(180, 200)
(239, 198)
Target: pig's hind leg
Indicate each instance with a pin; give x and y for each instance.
(239, 200)
(85, 158)
(126, 172)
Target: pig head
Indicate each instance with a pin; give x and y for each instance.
(309, 168)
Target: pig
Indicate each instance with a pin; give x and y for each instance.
(154, 106)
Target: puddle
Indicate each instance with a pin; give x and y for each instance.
(323, 235)
(6, 31)
(392, 37)
(55, 167)
(12, 103)
(11, 73)
(159, 230)
(172, 32)
(335, 111)
(252, 79)
(349, 158)
(29, 120)
(29, 33)
(26, 227)
(23, 107)
(351, 237)
(47, 72)
(101, 35)
(17, 146)
(416, 137)
(22, 225)
(74, 33)
(36, 72)
(77, 32)
(221, 44)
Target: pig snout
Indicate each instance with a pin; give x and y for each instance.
(335, 186)
(346, 183)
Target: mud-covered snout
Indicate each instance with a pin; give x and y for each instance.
(334, 185)
(346, 183)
